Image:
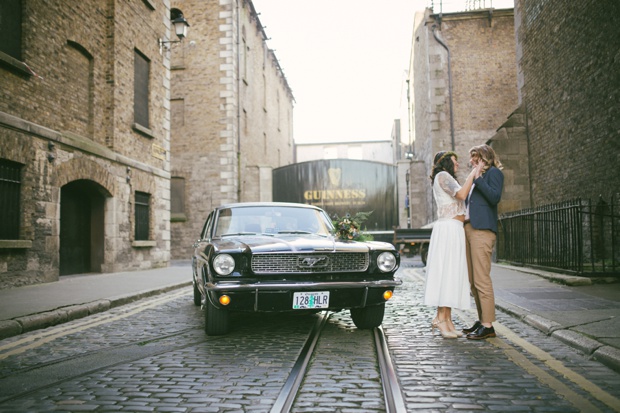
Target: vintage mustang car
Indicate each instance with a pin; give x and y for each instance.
(273, 257)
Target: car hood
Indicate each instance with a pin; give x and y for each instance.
(293, 243)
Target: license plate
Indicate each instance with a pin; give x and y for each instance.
(308, 300)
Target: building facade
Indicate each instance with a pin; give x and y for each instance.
(232, 115)
(569, 97)
(84, 138)
(462, 81)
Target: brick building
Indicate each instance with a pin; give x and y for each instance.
(84, 138)
(232, 115)
(569, 97)
(462, 81)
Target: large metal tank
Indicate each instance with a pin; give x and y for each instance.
(342, 186)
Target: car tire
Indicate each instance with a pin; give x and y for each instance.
(197, 295)
(368, 317)
(216, 319)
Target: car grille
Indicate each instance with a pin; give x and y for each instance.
(309, 263)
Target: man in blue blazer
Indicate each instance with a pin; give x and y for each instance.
(480, 233)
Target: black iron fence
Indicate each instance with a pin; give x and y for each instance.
(579, 237)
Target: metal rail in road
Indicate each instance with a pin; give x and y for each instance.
(394, 402)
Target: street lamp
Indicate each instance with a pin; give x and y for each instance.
(407, 201)
(180, 29)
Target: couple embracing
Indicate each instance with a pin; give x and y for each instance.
(462, 241)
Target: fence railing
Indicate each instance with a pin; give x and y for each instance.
(579, 237)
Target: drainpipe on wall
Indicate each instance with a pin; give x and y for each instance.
(449, 85)
(238, 103)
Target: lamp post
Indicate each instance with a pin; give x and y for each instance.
(407, 201)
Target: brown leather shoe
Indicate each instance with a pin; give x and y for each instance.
(473, 328)
(481, 333)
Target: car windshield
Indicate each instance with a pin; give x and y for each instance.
(251, 220)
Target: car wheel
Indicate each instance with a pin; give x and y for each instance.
(216, 320)
(197, 295)
(368, 317)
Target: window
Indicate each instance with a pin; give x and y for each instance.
(11, 28)
(10, 188)
(177, 196)
(142, 211)
(177, 114)
(141, 89)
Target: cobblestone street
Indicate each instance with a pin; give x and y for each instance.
(153, 355)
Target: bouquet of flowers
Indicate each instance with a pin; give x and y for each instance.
(349, 227)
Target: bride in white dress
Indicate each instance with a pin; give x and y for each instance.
(447, 282)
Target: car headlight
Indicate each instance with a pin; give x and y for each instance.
(223, 264)
(386, 261)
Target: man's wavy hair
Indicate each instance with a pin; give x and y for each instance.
(487, 155)
(443, 162)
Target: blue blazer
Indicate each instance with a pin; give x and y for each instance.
(484, 199)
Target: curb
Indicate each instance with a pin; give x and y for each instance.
(25, 324)
(606, 355)
(571, 280)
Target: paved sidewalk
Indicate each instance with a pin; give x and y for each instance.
(38, 306)
(583, 314)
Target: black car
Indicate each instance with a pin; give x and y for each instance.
(274, 257)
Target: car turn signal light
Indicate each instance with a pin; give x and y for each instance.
(388, 294)
(224, 300)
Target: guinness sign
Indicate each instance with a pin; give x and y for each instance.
(342, 186)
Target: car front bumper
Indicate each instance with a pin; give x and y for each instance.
(278, 296)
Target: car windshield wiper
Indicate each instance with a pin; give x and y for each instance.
(302, 232)
(234, 234)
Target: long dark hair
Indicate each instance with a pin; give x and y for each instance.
(443, 162)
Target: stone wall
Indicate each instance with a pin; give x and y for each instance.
(232, 113)
(571, 97)
(482, 71)
(67, 115)
(511, 142)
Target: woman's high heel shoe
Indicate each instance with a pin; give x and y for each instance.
(436, 324)
(458, 333)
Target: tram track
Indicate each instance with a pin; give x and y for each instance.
(50, 373)
(268, 363)
(393, 399)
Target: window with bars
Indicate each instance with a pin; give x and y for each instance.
(10, 189)
(11, 28)
(141, 89)
(142, 211)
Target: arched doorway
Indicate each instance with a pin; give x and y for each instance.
(81, 227)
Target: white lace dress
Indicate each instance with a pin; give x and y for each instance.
(447, 282)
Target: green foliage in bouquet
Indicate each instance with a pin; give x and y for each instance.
(349, 228)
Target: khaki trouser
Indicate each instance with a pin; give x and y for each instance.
(479, 247)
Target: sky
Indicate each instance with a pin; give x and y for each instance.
(345, 61)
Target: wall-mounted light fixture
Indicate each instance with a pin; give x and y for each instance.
(180, 28)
